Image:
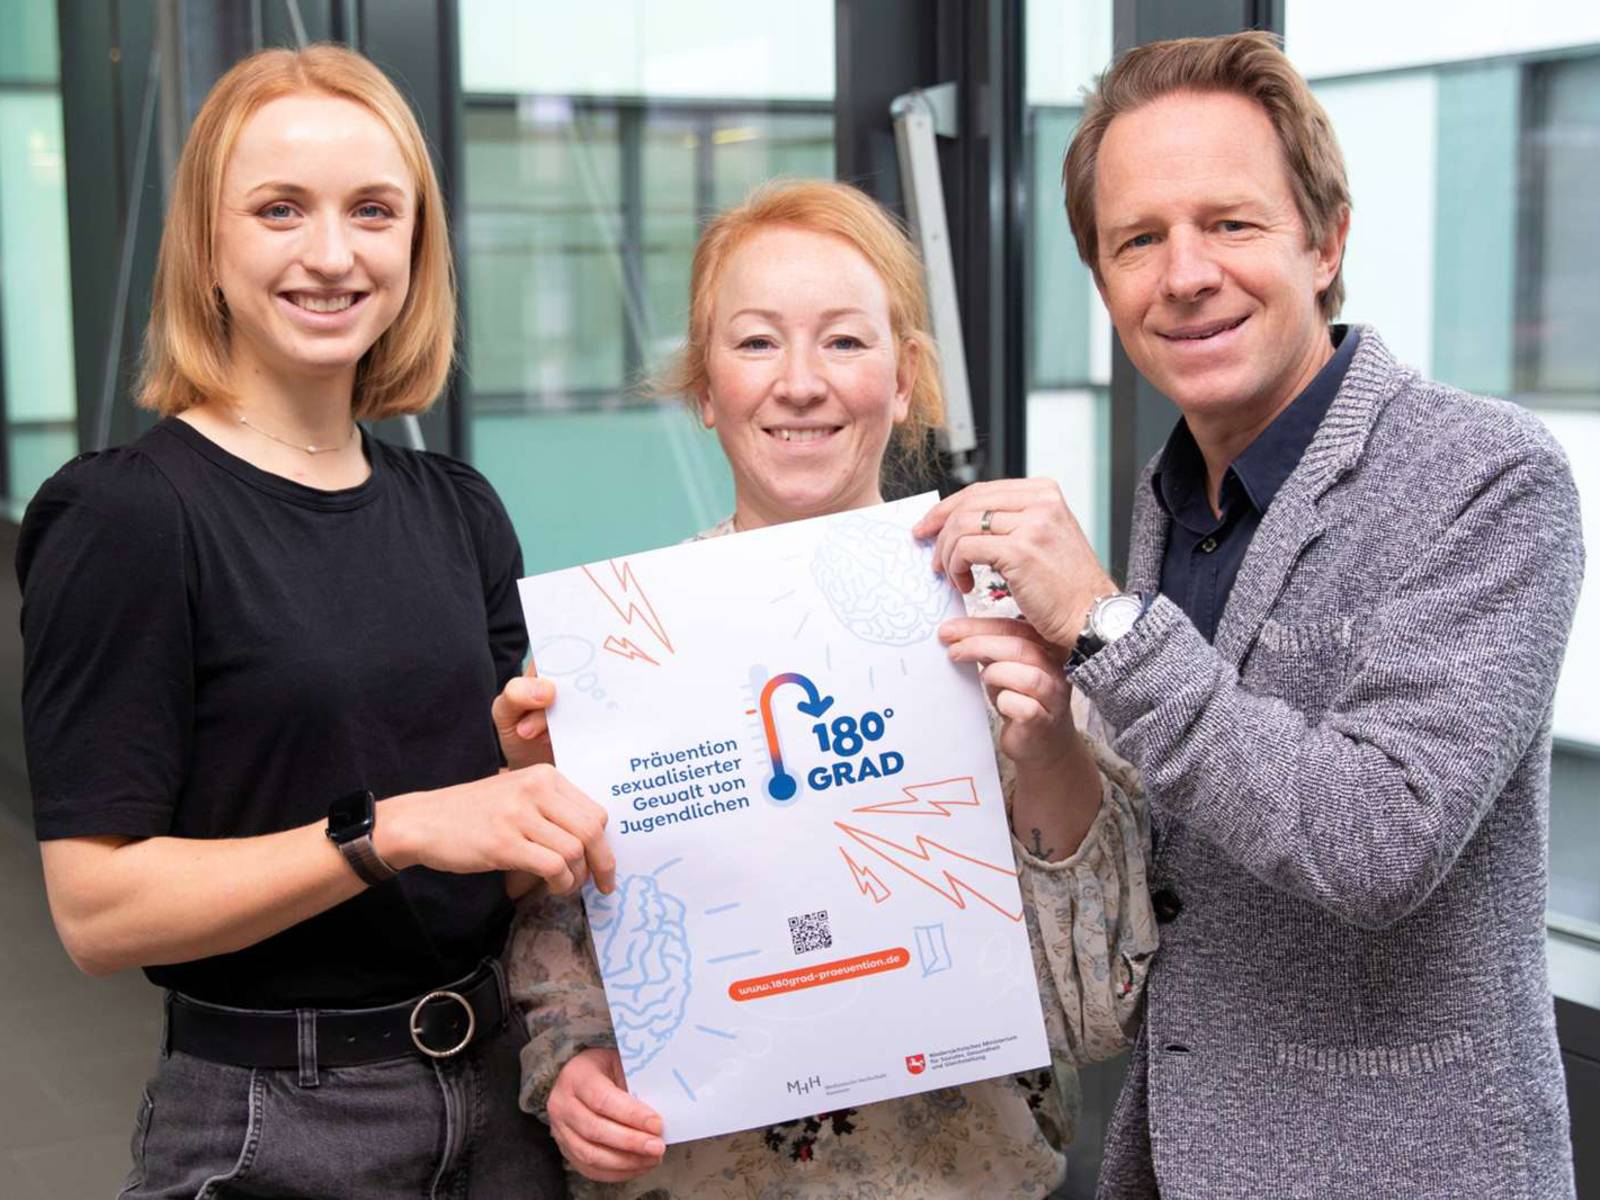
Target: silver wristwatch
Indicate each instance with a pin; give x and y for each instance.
(1109, 618)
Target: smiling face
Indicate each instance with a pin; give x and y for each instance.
(806, 378)
(313, 238)
(1203, 261)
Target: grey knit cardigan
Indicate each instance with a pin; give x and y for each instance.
(1350, 799)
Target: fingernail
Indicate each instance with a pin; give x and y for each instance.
(654, 1146)
(525, 729)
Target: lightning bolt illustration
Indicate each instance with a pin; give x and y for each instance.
(627, 586)
(867, 880)
(929, 861)
(627, 649)
(934, 799)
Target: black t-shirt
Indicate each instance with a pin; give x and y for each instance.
(214, 651)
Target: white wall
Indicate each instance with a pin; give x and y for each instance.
(703, 49)
(1388, 129)
(1351, 36)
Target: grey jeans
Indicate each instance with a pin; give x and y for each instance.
(447, 1129)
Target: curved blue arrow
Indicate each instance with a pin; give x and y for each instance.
(782, 786)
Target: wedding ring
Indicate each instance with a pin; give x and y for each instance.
(987, 521)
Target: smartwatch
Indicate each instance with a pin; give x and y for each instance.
(1109, 618)
(350, 822)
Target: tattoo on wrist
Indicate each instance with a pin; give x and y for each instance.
(1040, 850)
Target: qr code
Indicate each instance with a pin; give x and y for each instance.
(809, 931)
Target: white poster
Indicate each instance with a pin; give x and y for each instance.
(817, 902)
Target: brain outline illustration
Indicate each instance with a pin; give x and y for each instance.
(643, 948)
(880, 582)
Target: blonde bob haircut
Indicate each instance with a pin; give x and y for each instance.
(1245, 64)
(837, 210)
(186, 356)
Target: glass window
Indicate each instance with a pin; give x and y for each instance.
(28, 51)
(37, 381)
(1558, 373)
(543, 266)
(1559, 354)
(593, 154)
(1067, 335)
(1067, 331)
(1474, 174)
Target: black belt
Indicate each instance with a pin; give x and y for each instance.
(440, 1025)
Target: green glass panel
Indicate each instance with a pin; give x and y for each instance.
(28, 42)
(584, 486)
(669, 151)
(543, 322)
(35, 297)
(1475, 242)
(554, 331)
(1060, 288)
(543, 274)
(666, 285)
(749, 149)
(669, 156)
(36, 452)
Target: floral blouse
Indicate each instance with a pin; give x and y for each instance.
(1093, 933)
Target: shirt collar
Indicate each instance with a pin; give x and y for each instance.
(1180, 482)
(1266, 463)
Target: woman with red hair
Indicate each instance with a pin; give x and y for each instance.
(809, 354)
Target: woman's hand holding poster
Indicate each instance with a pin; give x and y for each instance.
(817, 902)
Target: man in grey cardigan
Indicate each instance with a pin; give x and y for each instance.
(1348, 599)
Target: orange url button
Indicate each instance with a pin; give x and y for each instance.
(838, 971)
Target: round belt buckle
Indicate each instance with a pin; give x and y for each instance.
(416, 1024)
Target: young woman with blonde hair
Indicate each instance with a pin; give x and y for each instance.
(261, 649)
(808, 353)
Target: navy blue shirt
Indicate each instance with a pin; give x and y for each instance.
(1204, 551)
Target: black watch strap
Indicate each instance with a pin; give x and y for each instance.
(1085, 648)
(1089, 642)
(365, 860)
(351, 820)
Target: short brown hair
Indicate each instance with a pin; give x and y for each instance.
(1247, 64)
(839, 210)
(186, 343)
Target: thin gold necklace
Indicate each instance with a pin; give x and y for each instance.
(238, 416)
